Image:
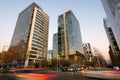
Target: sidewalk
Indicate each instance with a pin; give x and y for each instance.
(102, 74)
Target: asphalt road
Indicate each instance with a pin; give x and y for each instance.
(60, 76)
(71, 76)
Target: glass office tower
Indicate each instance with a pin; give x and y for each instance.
(69, 36)
(112, 10)
(55, 45)
(32, 27)
(50, 55)
(113, 43)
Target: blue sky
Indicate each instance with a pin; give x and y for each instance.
(88, 12)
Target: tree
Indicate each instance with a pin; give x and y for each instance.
(36, 65)
(44, 63)
(60, 63)
(65, 63)
(109, 65)
(18, 52)
(54, 63)
(6, 57)
(0, 57)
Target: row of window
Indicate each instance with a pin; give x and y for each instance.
(35, 50)
(41, 15)
(36, 46)
(35, 38)
(38, 32)
(37, 42)
(36, 35)
(40, 26)
(39, 21)
(39, 18)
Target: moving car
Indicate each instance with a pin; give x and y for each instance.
(28, 74)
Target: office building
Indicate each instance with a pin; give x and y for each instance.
(112, 10)
(55, 45)
(50, 55)
(112, 57)
(69, 36)
(32, 27)
(87, 52)
(112, 41)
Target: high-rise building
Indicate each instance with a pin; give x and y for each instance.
(88, 51)
(69, 36)
(112, 41)
(112, 57)
(55, 45)
(50, 55)
(32, 27)
(112, 10)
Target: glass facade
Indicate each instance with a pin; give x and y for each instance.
(112, 40)
(50, 55)
(61, 43)
(111, 37)
(55, 45)
(70, 33)
(32, 27)
(69, 36)
(22, 28)
(112, 10)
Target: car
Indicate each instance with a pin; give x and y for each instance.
(116, 68)
(35, 74)
(8, 70)
(77, 69)
(70, 69)
(64, 69)
(30, 74)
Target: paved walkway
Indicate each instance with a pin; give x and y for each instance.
(114, 75)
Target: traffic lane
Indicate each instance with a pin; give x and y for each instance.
(61, 76)
(23, 74)
(25, 77)
(109, 75)
(7, 77)
(70, 76)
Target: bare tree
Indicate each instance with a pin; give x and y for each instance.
(18, 52)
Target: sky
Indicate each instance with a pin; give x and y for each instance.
(89, 13)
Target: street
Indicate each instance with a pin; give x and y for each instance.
(29, 74)
(71, 76)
